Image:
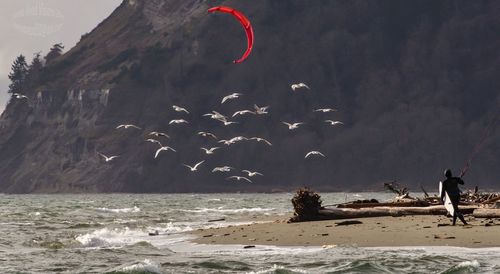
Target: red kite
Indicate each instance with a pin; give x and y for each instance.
(246, 25)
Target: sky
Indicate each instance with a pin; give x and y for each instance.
(30, 26)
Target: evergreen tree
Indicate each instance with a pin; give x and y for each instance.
(35, 68)
(18, 75)
(54, 52)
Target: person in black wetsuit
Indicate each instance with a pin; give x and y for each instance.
(450, 186)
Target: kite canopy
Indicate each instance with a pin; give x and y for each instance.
(246, 25)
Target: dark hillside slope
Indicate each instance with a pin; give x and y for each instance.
(415, 82)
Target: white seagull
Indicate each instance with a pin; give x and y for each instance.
(227, 123)
(19, 96)
(222, 169)
(260, 110)
(210, 150)
(154, 141)
(292, 126)
(334, 123)
(314, 152)
(207, 134)
(243, 112)
(238, 139)
(178, 121)
(128, 126)
(226, 142)
(238, 178)
(165, 148)
(252, 173)
(195, 168)
(158, 134)
(324, 110)
(180, 109)
(231, 97)
(106, 158)
(299, 85)
(215, 115)
(258, 139)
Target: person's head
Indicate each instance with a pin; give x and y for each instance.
(447, 173)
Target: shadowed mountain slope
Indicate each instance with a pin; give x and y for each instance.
(416, 84)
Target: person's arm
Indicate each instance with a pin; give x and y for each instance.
(460, 181)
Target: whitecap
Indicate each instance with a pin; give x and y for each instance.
(120, 210)
(147, 265)
(109, 237)
(277, 269)
(120, 237)
(466, 264)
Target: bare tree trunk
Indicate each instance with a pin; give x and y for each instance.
(400, 204)
(349, 213)
(486, 213)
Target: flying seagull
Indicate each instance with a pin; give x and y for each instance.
(19, 96)
(231, 97)
(260, 110)
(195, 168)
(243, 112)
(314, 152)
(128, 126)
(258, 139)
(324, 110)
(215, 115)
(299, 85)
(207, 134)
(158, 134)
(334, 123)
(106, 158)
(180, 109)
(238, 178)
(210, 150)
(222, 169)
(292, 126)
(226, 142)
(252, 173)
(178, 121)
(227, 123)
(238, 139)
(165, 148)
(154, 141)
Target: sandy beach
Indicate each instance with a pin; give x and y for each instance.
(371, 232)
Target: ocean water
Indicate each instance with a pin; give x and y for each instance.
(101, 233)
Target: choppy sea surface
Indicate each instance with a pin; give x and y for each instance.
(109, 233)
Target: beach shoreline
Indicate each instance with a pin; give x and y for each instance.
(419, 230)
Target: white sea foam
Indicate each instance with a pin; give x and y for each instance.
(277, 268)
(466, 264)
(120, 210)
(120, 237)
(144, 266)
(229, 211)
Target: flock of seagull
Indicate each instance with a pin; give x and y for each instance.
(154, 136)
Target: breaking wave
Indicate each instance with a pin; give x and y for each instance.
(120, 210)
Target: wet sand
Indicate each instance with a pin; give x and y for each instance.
(371, 232)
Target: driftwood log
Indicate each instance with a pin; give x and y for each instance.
(492, 200)
(486, 213)
(349, 213)
(390, 204)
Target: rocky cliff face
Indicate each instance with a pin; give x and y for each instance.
(416, 84)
